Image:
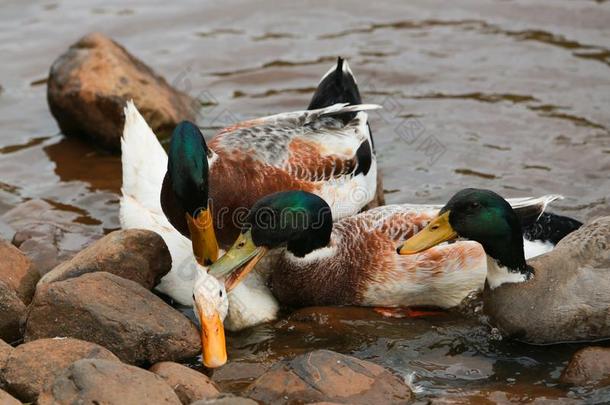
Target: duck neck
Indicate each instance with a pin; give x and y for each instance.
(506, 261)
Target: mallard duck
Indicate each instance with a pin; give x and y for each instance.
(353, 261)
(562, 296)
(326, 150)
(144, 162)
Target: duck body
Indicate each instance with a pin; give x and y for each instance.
(326, 150)
(568, 297)
(561, 296)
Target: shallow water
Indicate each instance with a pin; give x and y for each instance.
(508, 95)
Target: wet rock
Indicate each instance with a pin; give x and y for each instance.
(5, 350)
(8, 399)
(188, 384)
(47, 235)
(135, 254)
(116, 313)
(12, 309)
(32, 365)
(588, 366)
(93, 381)
(226, 399)
(16, 271)
(90, 83)
(324, 375)
(519, 393)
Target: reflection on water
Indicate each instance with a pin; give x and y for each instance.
(516, 93)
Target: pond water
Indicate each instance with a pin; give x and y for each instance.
(507, 95)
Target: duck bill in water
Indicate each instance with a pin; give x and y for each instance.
(439, 230)
(203, 238)
(238, 261)
(213, 342)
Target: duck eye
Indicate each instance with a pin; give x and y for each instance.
(220, 293)
(474, 205)
(193, 297)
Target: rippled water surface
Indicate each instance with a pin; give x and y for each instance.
(508, 95)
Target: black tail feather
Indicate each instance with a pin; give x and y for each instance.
(550, 227)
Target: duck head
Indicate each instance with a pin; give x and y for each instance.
(187, 172)
(479, 215)
(297, 220)
(210, 305)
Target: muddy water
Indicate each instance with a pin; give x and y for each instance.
(508, 95)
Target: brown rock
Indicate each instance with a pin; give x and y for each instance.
(226, 399)
(116, 313)
(135, 254)
(90, 83)
(48, 236)
(32, 365)
(188, 384)
(93, 381)
(7, 399)
(5, 351)
(588, 366)
(324, 375)
(11, 311)
(17, 272)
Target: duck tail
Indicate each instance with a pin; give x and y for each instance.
(337, 86)
(550, 227)
(144, 163)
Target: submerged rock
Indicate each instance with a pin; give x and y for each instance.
(47, 235)
(12, 309)
(90, 83)
(588, 366)
(324, 375)
(116, 313)
(7, 399)
(188, 384)
(93, 381)
(16, 271)
(134, 254)
(32, 365)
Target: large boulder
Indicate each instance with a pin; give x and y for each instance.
(188, 384)
(17, 272)
(116, 313)
(135, 254)
(47, 235)
(93, 381)
(588, 366)
(89, 84)
(12, 309)
(32, 365)
(324, 375)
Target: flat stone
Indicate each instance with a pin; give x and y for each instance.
(323, 375)
(90, 83)
(135, 254)
(588, 366)
(190, 385)
(12, 309)
(94, 381)
(17, 272)
(116, 313)
(32, 365)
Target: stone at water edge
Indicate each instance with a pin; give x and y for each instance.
(119, 314)
(323, 375)
(226, 399)
(7, 399)
(48, 236)
(134, 254)
(91, 381)
(12, 309)
(190, 385)
(30, 366)
(588, 366)
(90, 83)
(17, 272)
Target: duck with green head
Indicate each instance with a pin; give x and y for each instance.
(561, 296)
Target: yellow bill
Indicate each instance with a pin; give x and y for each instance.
(238, 261)
(203, 238)
(437, 231)
(212, 340)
